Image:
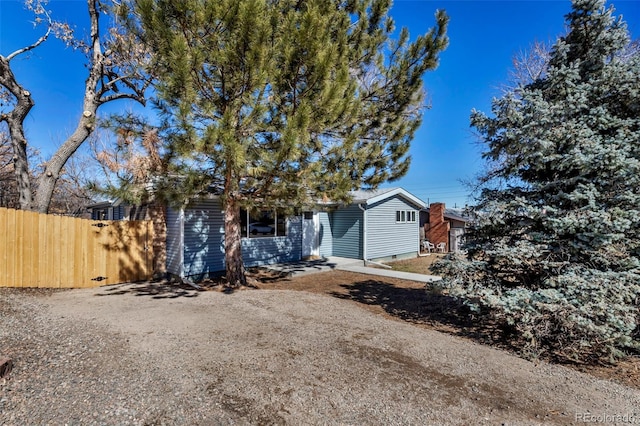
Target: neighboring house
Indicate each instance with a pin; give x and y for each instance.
(377, 225)
(442, 225)
(117, 210)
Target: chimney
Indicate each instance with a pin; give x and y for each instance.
(438, 228)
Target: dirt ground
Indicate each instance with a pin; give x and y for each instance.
(418, 265)
(407, 301)
(327, 348)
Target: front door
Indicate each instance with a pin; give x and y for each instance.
(310, 223)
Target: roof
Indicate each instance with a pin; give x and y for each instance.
(453, 215)
(368, 197)
(372, 196)
(106, 203)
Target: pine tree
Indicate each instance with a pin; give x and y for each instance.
(284, 103)
(556, 251)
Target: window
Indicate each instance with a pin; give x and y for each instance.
(100, 214)
(404, 216)
(263, 223)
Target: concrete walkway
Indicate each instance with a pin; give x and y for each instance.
(312, 266)
(304, 267)
(409, 276)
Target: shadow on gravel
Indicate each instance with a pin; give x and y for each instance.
(153, 289)
(420, 306)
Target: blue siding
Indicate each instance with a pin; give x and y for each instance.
(174, 242)
(346, 230)
(387, 238)
(195, 237)
(203, 242)
(118, 212)
(203, 238)
(270, 250)
(325, 238)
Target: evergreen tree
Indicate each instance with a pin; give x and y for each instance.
(283, 103)
(556, 252)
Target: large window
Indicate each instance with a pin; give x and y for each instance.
(263, 223)
(404, 216)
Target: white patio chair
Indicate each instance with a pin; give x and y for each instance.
(427, 246)
(441, 247)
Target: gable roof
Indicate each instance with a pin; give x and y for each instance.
(370, 197)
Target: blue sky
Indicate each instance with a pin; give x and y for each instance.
(484, 37)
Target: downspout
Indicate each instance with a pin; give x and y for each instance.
(316, 232)
(364, 233)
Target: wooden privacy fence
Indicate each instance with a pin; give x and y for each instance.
(39, 250)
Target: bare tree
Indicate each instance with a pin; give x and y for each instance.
(8, 193)
(115, 62)
(528, 66)
(72, 194)
(532, 64)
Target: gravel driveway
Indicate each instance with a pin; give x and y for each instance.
(154, 354)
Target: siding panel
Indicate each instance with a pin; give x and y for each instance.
(203, 242)
(325, 237)
(203, 238)
(118, 212)
(346, 227)
(174, 242)
(270, 250)
(387, 238)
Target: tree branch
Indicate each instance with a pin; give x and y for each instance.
(37, 43)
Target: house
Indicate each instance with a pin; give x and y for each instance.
(117, 209)
(376, 225)
(442, 225)
(195, 238)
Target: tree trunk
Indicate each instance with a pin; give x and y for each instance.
(233, 245)
(14, 120)
(86, 125)
(21, 166)
(47, 180)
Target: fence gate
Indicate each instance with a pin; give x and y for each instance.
(38, 250)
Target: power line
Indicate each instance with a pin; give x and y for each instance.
(424, 187)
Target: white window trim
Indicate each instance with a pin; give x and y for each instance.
(406, 216)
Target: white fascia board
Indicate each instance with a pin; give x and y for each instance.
(400, 192)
